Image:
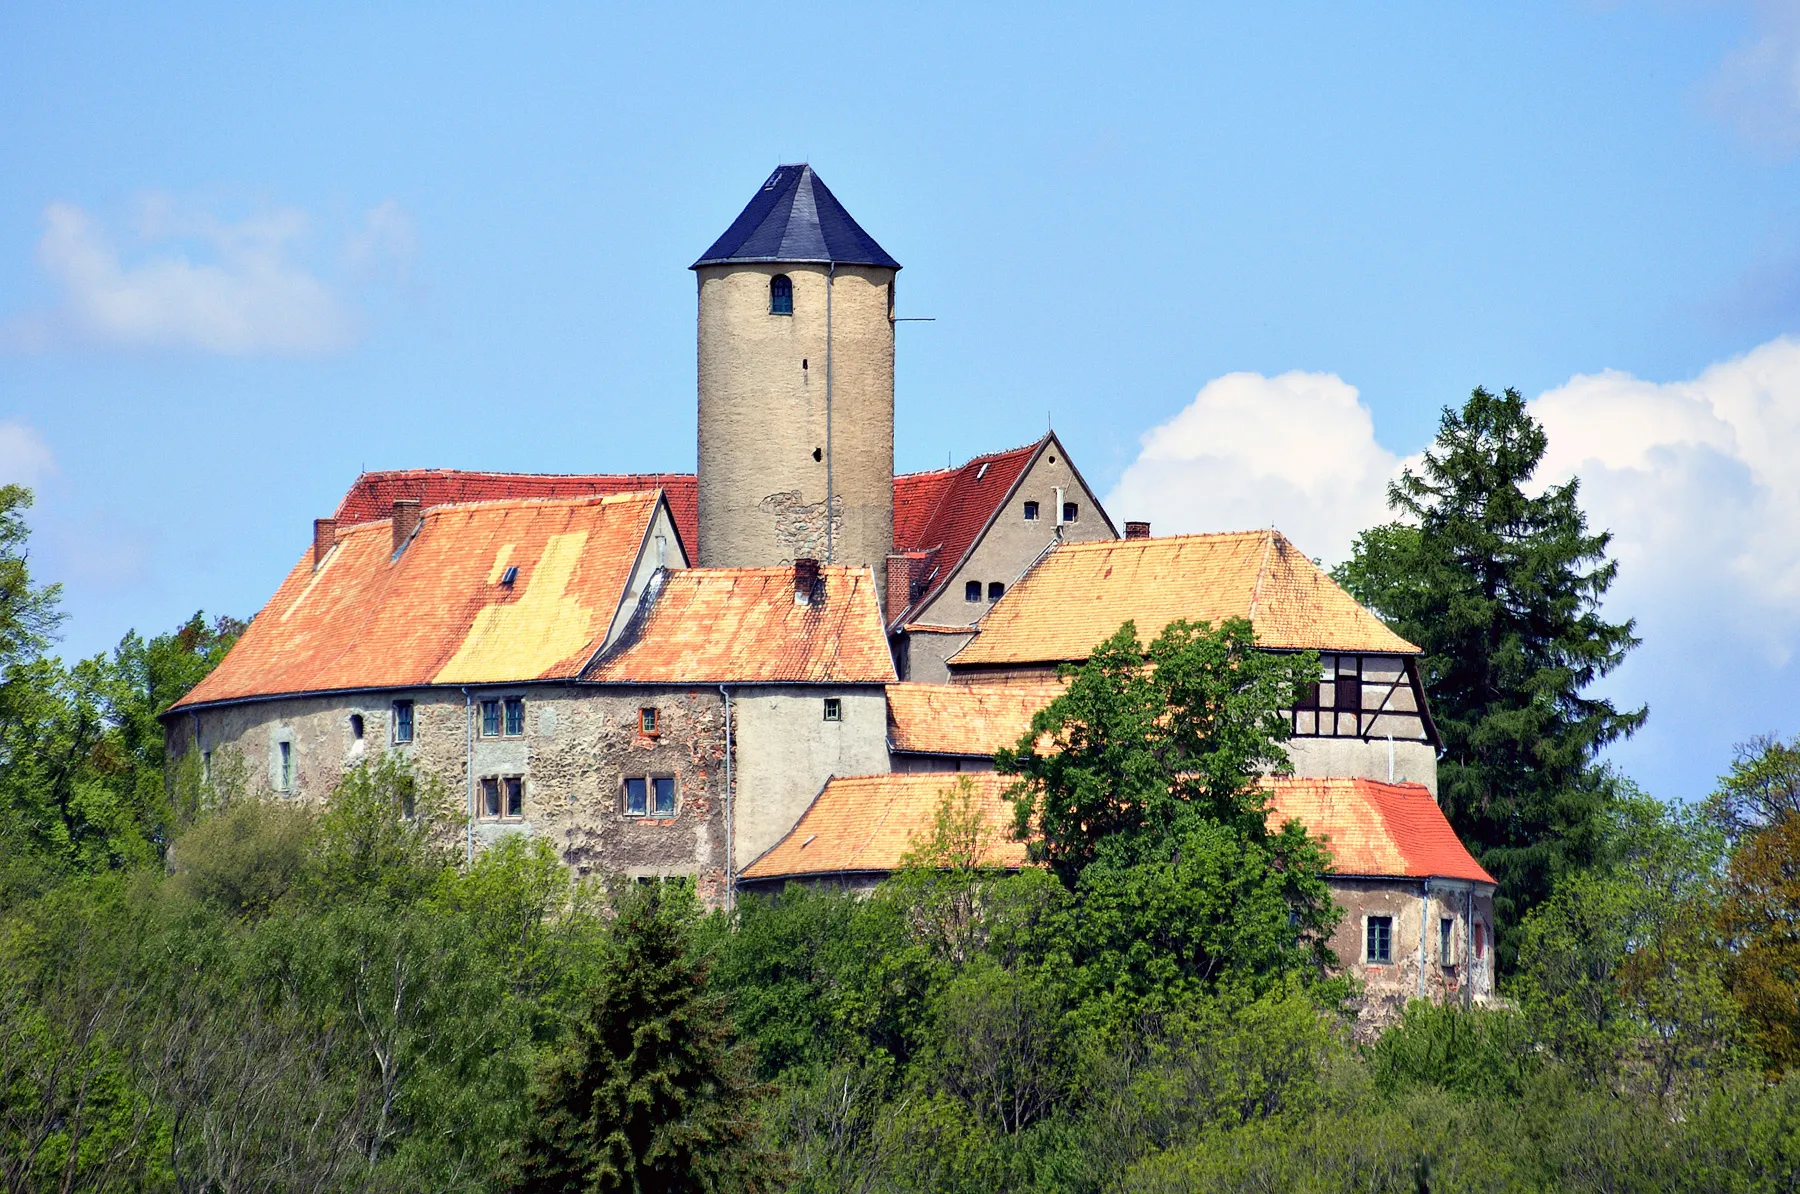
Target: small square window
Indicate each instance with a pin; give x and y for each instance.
(1031, 511)
(1071, 511)
(1380, 943)
(972, 591)
(490, 798)
(515, 796)
(996, 590)
(1446, 941)
(834, 709)
(648, 723)
(515, 716)
(403, 721)
(490, 719)
(637, 796)
(662, 790)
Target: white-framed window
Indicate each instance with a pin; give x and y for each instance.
(1378, 940)
(834, 709)
(649, 796)
(502, 798)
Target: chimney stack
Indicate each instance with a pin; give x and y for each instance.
(406, 521)
(1137, 530)
(324, 539)
(806, 580)
(899, 585)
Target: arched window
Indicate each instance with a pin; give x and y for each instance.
(781, 295)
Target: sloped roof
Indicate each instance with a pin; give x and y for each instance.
(1379, 829)
(439, 614)
(866, 823)
(371, 498)
(1080, 593)
(795, 217)
(947, 719)
(742, 626)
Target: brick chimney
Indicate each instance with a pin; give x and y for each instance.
(1137, 530)
(899, 585)
(406, 521)
(806, 580)
(324, 539)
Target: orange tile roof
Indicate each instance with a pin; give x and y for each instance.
(741, 626)
(954, 720)
(371, 498)
(438, 614)
(1376, 828)
(1080, 593)
(866, 823)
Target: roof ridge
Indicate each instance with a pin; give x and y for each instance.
(585, 499)
(1262, 574)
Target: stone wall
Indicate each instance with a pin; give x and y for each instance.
(1388, 986)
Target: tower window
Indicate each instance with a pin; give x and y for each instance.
(972, 591)
(1031, 511)
(1071, 511)
(781, 295)
(996, 590)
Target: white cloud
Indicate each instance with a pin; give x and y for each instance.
(236, 288)
(1297, 451)
(25, 458)
(1758, 85)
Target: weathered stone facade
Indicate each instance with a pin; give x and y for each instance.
(1424, 959)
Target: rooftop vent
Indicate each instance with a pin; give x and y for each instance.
(511, 574)
(806, 581)
(1137, 530)
(324, 539)
(406, 521)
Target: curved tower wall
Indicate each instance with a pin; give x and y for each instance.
(762, 390)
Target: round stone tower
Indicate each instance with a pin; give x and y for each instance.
(796, 356)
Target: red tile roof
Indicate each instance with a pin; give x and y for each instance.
(940, 514)
(1079, 593)
(1374, 828)
(371, 498)
(946, 719)
(742, 626)
(866, 824)
(439, 614)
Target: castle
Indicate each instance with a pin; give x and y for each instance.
(760, 672)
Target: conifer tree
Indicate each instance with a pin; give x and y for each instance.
(651, 1095)
(1502, 590)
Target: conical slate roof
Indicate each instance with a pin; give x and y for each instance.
(796, 218)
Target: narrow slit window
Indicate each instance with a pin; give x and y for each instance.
(490, 719)
(515, 716)
(662, 791)
(1380, 943)
(287, 766)
(996, 590)
(515, 796)
(1031, 511)
(403, 721)
(781, 295)
(1446, 941)
(206, 766)
(637, 796)
(834, 709)
(972, 591)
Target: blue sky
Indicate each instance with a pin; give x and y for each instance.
(246, 251)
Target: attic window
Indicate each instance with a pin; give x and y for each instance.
(781, 295)
(834, 709)
(982, 471)
(648, 723)
(1031, 511)
(1071, 511)
(511, 574)
(996, 590)
(972, 591)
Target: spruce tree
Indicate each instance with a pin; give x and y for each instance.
(1502, 590)
(651, 1094)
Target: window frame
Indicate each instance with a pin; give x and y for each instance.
(509, 706)
(652, 785)
(501, 786)
(833, 709)
(1031, 512)
(285, 751)
(490, 707)
(781, 293)
(1378, 928)
(972, 591)
(649, 721)
(995, 591)
(1446, 941)
(402, 717)
(1071, 512)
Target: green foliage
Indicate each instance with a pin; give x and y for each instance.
(1502, 589)
(1762, 788)
(1471, 1052)
(246, 858)
(650, 1093)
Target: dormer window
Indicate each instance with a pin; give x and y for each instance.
(781, 295)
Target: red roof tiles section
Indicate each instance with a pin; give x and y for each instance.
(743, 626)
(371, 498)
(945, 511)
(1375, 828)
(440, 612)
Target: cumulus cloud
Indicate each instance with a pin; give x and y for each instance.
(1758, 85)
(25, 458)
(190, 280)
(1297, 451)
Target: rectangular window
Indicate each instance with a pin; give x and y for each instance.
(663, 789)
(996, 590)
(515, 796)
(403, 721)
(1447, 941)
(515, 716)
(972, 591)
(647, 722)
(834, 709)
(1381, 940)
(287, 766)
(490, 719)
(490, 798)
(1071, 511)
(637, 796)
(1031, 511)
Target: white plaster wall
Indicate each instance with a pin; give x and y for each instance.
(786, 750)
(1331, 758)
